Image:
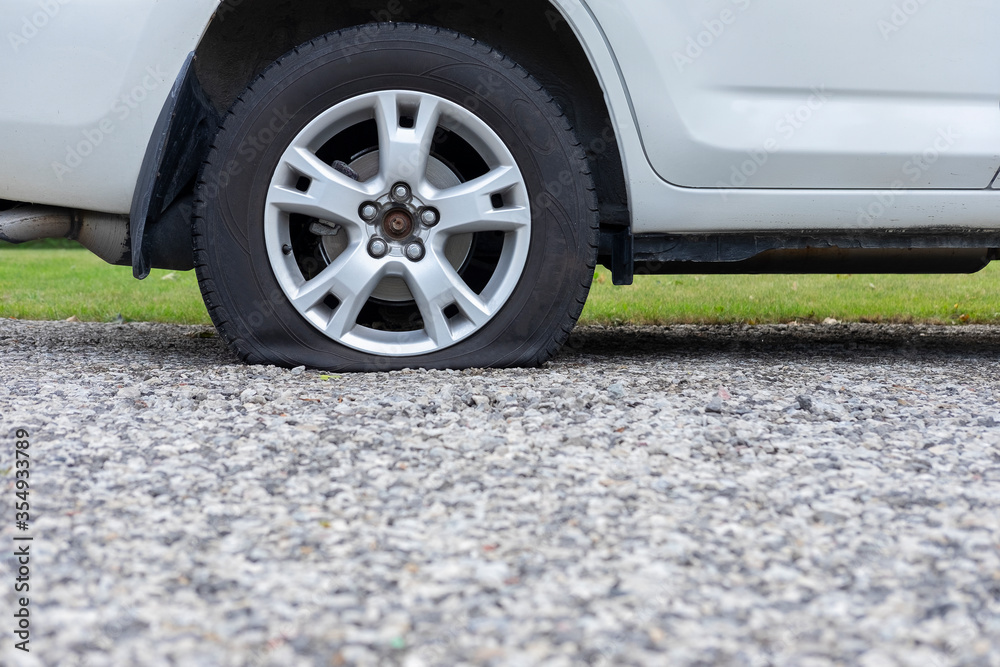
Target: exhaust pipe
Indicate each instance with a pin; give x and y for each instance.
(104, 234)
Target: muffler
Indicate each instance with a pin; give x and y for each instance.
(104, 234)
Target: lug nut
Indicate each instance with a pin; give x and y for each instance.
(368, 212)
(401, 192)
(415, 252)
(378, 248)
(429, 217)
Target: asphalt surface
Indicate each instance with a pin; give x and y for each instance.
(795, 495)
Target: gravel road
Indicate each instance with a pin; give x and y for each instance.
(789, 495)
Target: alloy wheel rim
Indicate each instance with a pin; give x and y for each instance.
(402, 221)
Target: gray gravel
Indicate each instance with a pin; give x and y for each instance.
(800, 495)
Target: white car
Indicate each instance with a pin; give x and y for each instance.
(378, 185)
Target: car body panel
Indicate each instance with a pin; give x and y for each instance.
(92, 79)
(82, 71)
(657, 206)
(785, 94)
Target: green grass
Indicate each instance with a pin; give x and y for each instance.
(58, 282)
(948, 299)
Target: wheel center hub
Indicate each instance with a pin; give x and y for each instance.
(398, 224)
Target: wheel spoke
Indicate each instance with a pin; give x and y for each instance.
(502, 220)
(469, 207)
(404, 151)
(308, 164)
(435, 286)
(351, 278)
(331, 196)
(293, 201)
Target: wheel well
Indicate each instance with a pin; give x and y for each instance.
(248, 35)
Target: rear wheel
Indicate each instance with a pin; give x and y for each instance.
(420, 202)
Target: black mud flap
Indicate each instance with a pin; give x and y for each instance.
(181, 139)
